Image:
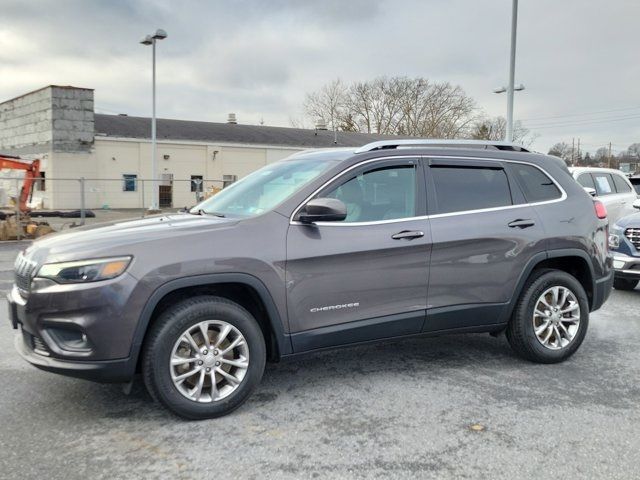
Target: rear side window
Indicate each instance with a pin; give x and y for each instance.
(470, 188)
(536, 185)
(621, 185)
(604, 184)
(636, 184)
(586, 180)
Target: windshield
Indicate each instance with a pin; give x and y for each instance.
(262, 190)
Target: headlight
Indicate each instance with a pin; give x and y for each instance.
(84, 270)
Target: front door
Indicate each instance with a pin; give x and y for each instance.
(365, 277)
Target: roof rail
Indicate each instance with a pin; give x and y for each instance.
(415, 143)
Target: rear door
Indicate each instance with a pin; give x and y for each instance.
(484, 234)
(365, 277)
(625, 194)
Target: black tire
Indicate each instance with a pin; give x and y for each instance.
(170, 326)
(624, 284)
(520, 331)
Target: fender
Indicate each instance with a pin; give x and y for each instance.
(535, 261)
(283, 340)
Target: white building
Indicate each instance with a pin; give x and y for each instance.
(113, 152)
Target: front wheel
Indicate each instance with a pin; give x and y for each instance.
(551, 318)
(203, 357)
(624, 284)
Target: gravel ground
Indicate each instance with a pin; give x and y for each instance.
(395, 410)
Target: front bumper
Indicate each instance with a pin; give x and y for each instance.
(84, 331)
(626, 266)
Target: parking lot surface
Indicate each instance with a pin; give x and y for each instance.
(451, 407)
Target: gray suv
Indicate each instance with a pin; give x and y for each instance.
(322, 249)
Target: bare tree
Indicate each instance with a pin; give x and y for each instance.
(328, 104)
(562, 150)
(496, 128)
(395, 105)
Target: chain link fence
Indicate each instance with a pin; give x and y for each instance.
(69, 202)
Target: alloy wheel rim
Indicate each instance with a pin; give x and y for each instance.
(209, 361)
(556, 318)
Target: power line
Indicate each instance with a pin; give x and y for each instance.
(580, 114)
(582, 122)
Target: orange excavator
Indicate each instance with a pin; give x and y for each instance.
(10, 228)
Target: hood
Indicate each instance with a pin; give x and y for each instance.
(632, 220)
(114, 237)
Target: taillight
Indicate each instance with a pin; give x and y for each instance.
(601, 210)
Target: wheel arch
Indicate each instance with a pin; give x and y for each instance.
(244, 289)
(573, 261)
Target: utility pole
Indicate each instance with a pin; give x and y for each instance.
(609, 154)
(512, 71)
(573, 146)
(578, 148)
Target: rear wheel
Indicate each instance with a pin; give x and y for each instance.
(624, 284)
(203, 357)
(551, 318)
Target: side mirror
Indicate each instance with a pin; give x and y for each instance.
(636, 204)
(323, 210)
(590, 191)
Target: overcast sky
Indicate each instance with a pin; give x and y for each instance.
(579, 59)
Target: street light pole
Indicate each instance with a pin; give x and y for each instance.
(512, 70)
(151, 40)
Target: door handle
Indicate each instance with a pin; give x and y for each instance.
(408, 234)
(521, 223)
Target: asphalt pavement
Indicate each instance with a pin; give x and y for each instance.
(461, 406)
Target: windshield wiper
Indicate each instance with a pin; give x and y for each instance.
(214, 214)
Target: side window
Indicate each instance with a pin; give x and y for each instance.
(604, 184)
(586, 180)
(620, 184)
(470, 188)
(381, 194)
(537, 186)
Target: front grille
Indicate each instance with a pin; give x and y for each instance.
(24, 270)
(633, 234)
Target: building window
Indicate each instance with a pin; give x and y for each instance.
(196, 183)
(228, 180)
(40, 182)
(130, 183)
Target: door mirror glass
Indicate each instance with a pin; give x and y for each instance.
(636, 204)
(323, 210)
(590, 191)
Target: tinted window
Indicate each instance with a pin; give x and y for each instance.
(380, 194)
(469, 188)
(604, 184)
(537, 186)
(636, 184)
(586, 180)
(621, 185)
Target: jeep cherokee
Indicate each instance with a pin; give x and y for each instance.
(322, 249)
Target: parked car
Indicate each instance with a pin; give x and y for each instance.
(635, 181)
(624, 242)
(320, 250)
(611, 187)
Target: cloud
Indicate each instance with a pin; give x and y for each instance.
(258, 58)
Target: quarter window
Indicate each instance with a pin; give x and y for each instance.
(470, 188)
(537, 186)
(604, 184)
(621, 184)
(386, 193)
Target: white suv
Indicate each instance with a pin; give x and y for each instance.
(611, 187)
